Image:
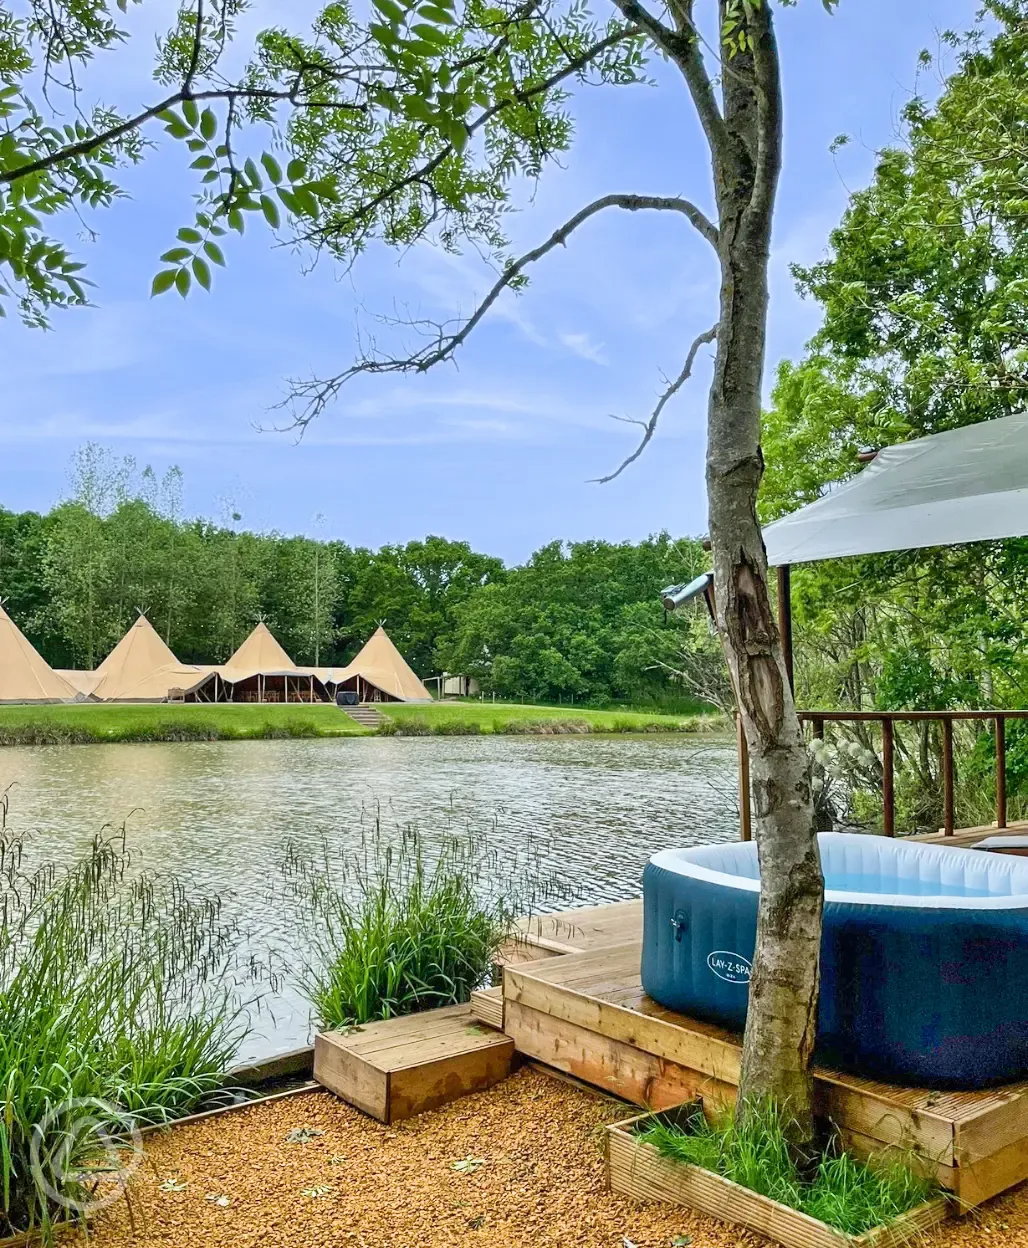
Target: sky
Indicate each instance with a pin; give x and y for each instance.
(500, 448)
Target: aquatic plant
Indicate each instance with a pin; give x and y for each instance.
(117, 1009)
(852, 1196)
(401, 925)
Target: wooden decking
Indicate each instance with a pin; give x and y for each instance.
(574, 931)
(585, 1014)
(966, 838)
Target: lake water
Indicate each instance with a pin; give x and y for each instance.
(590, 810)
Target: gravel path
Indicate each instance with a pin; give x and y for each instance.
(310, 1172)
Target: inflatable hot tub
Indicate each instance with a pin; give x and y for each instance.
(924, 971)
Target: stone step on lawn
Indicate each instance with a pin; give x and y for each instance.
(405, 1066)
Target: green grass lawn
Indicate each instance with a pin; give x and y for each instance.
(94, 722)
(89, 723)
(444, 718)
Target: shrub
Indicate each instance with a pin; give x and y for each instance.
(390, 932)
(115, 1010)
(851, 1195)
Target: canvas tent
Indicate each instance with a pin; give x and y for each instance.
(261, 671)
(84, 682)
(25, 676)
(379, 673)
(141, 668)
(965, 485)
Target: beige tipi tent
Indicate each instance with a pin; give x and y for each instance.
(381, 673)
(261, 671)
(260, 652)
(141, 668)
(25, 676)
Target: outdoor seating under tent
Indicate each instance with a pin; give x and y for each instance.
(964, 485)
(260, 671)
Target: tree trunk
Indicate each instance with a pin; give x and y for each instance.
(782, 1016)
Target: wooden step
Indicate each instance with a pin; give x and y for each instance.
(487, 1006)
(404, 1066)
(366, 716)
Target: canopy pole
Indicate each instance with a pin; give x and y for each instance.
(785, 618)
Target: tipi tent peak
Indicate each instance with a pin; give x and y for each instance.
(25, 676)
(382, 667)
(259, 653)
(141, 668)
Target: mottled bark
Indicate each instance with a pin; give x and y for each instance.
(780, 1026)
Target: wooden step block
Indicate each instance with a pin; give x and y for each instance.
(404, 1066)
(487, 1006)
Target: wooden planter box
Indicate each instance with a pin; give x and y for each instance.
(636, 1169)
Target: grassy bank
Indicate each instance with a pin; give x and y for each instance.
(471, 718)
(96, 722)
(92, 723)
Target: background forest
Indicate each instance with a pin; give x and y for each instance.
(578, 620)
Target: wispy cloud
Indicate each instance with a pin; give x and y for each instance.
(582, 345)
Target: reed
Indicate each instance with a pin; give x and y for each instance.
(117, 1009)
(402, 926)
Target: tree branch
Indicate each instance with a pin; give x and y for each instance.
(683, 46)
(518, 97)
(768, 87)
(649, 427)
(318, 394)
(231, 94)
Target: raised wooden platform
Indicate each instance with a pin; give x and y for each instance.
(574, 931)
(587, 1015)
(404, 1066)
(967, 838)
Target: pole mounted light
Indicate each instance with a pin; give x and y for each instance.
(676, 596)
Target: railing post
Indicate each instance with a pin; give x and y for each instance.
(888, 780)
(947, 776)
(1001, 772)
(745, 824)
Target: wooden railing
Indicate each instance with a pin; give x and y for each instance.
(888, 720)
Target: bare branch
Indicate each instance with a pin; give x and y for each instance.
(316, 394)
(649, 427)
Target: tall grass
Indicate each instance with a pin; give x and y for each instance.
(850, 1195)
(401, 926)
(117, 1008)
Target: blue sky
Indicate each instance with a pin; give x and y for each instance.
(498, 450)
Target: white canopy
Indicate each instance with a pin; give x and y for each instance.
(965, 485)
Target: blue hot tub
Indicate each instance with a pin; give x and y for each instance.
(924, 972)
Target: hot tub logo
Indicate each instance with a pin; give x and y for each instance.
(731, 967)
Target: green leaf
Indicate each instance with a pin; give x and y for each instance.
(296, 170)
(163, 281)
(202, 272)
(434, 14)
(273, 168)
(251, 172)
(270, 210)
(415, 107)
(214, 253)
(202, 162)
(177, 128)
(176, 255)
(191, 113)
(208, 124)
(188, 235)
(432, 33)
(389, 9)
(182, 282)
(236, 220)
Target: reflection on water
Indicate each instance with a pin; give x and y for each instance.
(217, 813)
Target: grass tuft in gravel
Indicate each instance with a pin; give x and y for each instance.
(852, 1196)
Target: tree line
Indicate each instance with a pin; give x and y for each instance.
(578, 621)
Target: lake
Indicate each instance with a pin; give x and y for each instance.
(589, 810)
